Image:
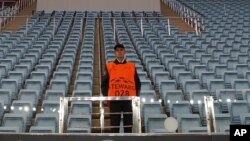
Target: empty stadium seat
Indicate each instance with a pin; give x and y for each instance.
(79, 124)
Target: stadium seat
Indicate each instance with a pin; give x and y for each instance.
(155, 123)
(79, 124)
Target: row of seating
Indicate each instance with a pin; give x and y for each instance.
(157, 47)
(164, 63)
(50, 48)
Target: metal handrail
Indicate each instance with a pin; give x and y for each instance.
(135, 109)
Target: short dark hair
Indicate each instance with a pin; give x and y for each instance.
(119, 46)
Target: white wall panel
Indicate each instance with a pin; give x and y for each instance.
(97, 5)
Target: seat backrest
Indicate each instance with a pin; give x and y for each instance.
(14, 120)
(223, 58)
(146, 85)
(5, 96)
(59, 85)
(22, 107)
(155, 122)
(79, 121)
(245, 118)
(190, 85)
(147, 95)
(10, 84)
(240, 84)
(83, 85)
(214, 84)
(198, 69)
(67, 62)
(160, 76)
(188, 120)
(167, 85)
(231, 64)
(222, 120)
(212, 63)
(229, 76)
(177, 69)
(237, 108)
(18, 75)
(172, 96)
(54, 95)
(29, 95)
(182, 76)
(22, 68)
(226, 94)
(219, 70)
(34, 84)
(61, 76)
(241, 69)
(205, 76)
(85, 68)
(84, 76)
(198, 96)
(151, 108)
(242, 58)
(181, 107)
(43, 68)
(142, 75)
(46, 120)
(81, 107)
(50, 107)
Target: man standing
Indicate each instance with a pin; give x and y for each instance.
(121, 79)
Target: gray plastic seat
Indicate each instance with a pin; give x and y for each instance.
(79, 122)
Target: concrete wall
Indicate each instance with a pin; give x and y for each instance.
(97, 5)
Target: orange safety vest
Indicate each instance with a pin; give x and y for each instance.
(121, 79)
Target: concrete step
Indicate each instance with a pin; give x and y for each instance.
(20, 19)
(176, 19)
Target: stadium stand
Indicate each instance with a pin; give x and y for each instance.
(37, 67)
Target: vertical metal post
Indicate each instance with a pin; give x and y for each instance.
(196, 26)
(54, 25)
(169, 27)
(101, 116)
(27, 20)
(81, 28)
(141, 28)
(62, 113)
(209, 108)
(114, 28)
(136, 115)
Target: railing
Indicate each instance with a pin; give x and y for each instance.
(136, 127)
(188, 14)
(197, 25)
(8, 13)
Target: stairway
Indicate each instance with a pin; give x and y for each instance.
(20, 19)
(175, 19)
(98, 61)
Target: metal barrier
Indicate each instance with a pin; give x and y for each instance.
(63, 112)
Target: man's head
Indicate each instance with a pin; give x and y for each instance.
(119, 51)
